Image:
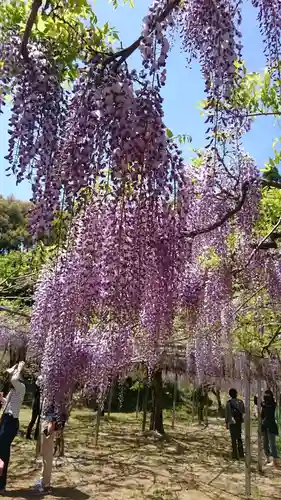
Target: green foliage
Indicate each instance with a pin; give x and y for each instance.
(181, 138)
(14, 222)
(258, 94)
(19, 271)
(256, 326)
(115, 3)
(209, 259)
(270, 210)
(69, 27)
(14, 233)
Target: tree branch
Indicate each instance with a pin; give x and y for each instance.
(128, 51)
(12, 311)
(119, 56)
(36, 4)
(261, 243)
(226, 217)
(265, 113)
(264, 246)
(248, 300)
(266, 348)
(273, 184)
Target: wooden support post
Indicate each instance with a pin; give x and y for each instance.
(97, 425)
(206, 407)
(144, 407)
(260, 469)
(61, 452)
(110, 396)
(247, 374)
(59, 444)
(193, 404)
(138, 402)
(277, 399)
(174, 400)
(4, 354)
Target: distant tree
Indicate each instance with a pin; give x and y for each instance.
(14, 234)
(19, 272)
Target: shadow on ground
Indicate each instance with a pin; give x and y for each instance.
(58, 493)
(130, 466)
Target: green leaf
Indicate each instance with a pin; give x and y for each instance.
(41, 25)
(169, 133)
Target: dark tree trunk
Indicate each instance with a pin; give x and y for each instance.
(156, 417)
(144, 406)
(200, 414)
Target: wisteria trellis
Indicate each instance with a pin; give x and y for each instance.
(133, 255)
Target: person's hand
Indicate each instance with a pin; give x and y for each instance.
(21, 365)
(1, 397)
(51, 427)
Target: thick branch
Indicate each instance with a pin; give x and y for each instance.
(266, 348)
(261, 243)
(119, 56)
(128, 51)
(273, 184)
(36, 4)
(264, 113)
(264, 246)
(225, 218)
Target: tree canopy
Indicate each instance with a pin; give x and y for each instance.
(14, 233)
(149, 238)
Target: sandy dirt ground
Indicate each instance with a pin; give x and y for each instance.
(192, 463)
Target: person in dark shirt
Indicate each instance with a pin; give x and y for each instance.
(35, 411)
(234, 417)
(269, 427)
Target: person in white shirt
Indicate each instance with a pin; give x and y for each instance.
(10, 419)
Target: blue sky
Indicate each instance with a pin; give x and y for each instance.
(182, 94)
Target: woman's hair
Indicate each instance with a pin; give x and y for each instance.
(268, 397)
(233, 393)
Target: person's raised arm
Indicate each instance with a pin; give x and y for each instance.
(3, 400)
(15, 379)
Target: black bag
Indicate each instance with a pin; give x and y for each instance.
(236, 414)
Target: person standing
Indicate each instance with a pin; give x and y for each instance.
(35, 410)
(10, 419)
(52, 422)
(234, 417)
(269, 428)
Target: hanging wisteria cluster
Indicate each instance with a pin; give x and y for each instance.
(229, 369)
(153, 237)
(109, 129)
(12, 334)
(131, 265)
